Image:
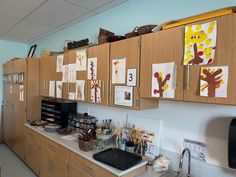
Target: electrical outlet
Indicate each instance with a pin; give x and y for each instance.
(198, 149)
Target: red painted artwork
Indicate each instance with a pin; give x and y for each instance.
(213, 79)
(162, 84)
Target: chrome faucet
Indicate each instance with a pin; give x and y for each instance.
(181, 162)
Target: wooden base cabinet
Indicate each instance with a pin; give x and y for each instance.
(33, 150)
(54, 160)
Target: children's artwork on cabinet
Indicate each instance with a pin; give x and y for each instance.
(60, 59)
(214, 81)
(118, 70)
(65, 73)
(20, 78)
(123, 96)
(79, 93)
(163, 80)
(131, 77)
(92, 68)
(200, 43)
(71, 95)
(72, 73)
(21, 93)
(81, 60)
(95, 91)
(52, 88)
(59, 89)
(11, 89)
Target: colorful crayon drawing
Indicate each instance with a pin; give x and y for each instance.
(95, 91)
(163, 80)
(200, 43)
(119, 71)
(214, 81)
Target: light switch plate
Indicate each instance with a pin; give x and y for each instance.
(198, 149)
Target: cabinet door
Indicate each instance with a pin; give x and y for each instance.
(100, 52)
(129, 49)
(32, 150)
(54, 160)
(47, 73)
(161, 47)
(70, 58)
(7, 107)
(19, 66)
(224, 56)
(74, 171)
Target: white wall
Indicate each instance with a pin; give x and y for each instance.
(202, 122)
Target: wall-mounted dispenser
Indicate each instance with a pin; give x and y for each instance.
(232, 144)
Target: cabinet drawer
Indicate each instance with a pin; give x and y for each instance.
(56, 148)
(88, 167)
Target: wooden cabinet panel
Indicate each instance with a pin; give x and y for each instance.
(8, 107)
(129, 49)
(33, 96)
(101, 52)
(54, 160)
(74, 171)
(19, 108)
(88, 168)
(33, 150)
(161, 47)
(224, 56)
(48, 73)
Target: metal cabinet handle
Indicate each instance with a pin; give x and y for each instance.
(187, 77)
(110, 91)
(44, 86)
(103, 89)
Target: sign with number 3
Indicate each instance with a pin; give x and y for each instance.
(131, 77)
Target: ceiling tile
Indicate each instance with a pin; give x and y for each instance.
(24, 31)
(6, 23)
(90, 4)
(110, 5)
(55, 13)
(19, 8)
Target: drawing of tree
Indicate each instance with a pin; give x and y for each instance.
(213, 79)
(162, 84)
(199, 41)
(92, 70)
(80, 58)
(96, 86)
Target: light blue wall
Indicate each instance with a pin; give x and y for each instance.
(124, 18)
(9, 50)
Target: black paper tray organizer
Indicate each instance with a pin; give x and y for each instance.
(117, 158)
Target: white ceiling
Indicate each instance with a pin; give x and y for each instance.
(27, 20)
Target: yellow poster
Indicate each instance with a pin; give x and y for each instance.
(200, 43)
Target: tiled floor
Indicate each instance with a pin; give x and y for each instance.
(11, 165)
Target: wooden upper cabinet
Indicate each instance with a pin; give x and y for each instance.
(224, 56)
(129, 49)
(161, 47)
(101, 52)
(47, 73)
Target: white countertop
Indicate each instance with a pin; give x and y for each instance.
(74, 147)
